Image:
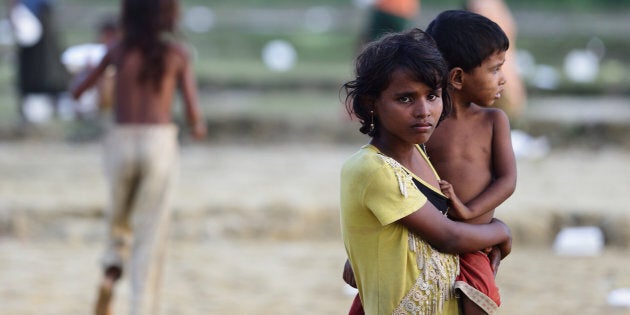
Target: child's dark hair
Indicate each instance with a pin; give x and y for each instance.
(413, 51)
(144, 22)
(466, 39)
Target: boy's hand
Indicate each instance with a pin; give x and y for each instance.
(460, 211)
(447, 189)
(199, 130)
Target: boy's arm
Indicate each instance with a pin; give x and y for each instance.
(503, 168)
(191, 102)
(77, 90)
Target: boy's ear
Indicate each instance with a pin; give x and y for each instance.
(456, 78)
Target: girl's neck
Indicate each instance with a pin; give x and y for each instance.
(403, 153)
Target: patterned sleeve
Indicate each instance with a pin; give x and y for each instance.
(391, 194)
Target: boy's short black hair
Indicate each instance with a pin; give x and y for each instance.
(412, 51)
(466, 39)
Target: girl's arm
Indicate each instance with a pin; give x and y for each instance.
(503, 167)
(454, 237)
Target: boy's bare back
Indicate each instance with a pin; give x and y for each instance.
(139, 102)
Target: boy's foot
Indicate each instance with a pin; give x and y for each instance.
(106, 290)
(103, 302)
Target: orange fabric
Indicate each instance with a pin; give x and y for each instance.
(475, 270)
(403, 8)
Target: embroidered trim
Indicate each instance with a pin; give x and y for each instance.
(434, 284)
(402, 176)
(484, 301)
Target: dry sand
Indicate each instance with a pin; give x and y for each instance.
(256, 232)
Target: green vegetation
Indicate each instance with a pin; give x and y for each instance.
(228, 57)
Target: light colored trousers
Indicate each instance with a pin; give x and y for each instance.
(141, 163)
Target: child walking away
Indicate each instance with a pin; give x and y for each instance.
(141, 150)
(400, 245)
(472, 148)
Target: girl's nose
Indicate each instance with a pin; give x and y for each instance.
(421, 109)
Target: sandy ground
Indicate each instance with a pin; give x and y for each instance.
(256, 232)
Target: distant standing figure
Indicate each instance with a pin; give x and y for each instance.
(515, 98)
(141, 150)
(39, 67)
(389, 16)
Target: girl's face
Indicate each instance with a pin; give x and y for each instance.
(408, 111)
(484, 85)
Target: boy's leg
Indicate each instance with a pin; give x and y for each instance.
(476, 284)
(470, 308)
(151, 217)
(118, 160)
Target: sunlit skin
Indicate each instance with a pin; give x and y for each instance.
(484, 84)
(407, 112)
(472, 148)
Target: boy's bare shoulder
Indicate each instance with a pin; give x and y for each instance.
(493, 114)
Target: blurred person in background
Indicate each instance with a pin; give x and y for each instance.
(397, 15)
(82, 59)
(141, 149)
(39, 68)
(389, 16)
(514, 99)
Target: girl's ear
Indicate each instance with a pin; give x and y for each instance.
(368, 101)
(456, 78)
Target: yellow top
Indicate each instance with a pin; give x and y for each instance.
(396, 271)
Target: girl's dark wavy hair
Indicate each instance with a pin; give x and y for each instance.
(413, 51)
(144, 24)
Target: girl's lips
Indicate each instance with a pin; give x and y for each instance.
(422, 127)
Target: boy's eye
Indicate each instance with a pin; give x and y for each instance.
(432, 97)
(405, 99)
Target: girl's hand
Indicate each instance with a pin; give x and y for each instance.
(506, 247)
(348, 275)
(495, 259)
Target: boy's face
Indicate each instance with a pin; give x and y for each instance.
(484, 84)
(407, 110)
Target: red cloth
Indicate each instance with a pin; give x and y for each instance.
(476, 270)
(356, 308)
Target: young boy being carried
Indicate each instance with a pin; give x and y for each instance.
(472, 149)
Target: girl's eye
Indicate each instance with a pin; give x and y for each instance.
(406, 99)
(432, 97)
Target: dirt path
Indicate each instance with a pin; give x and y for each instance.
(256, 232)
